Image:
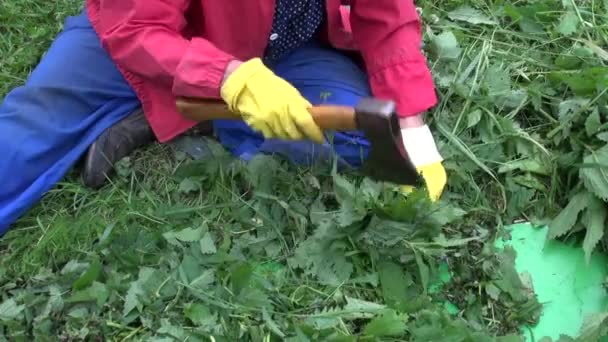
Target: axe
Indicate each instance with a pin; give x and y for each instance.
(387, 161)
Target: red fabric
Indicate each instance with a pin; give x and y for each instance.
(168, 48)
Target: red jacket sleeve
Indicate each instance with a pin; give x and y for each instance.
(388, 34)
(144, 37)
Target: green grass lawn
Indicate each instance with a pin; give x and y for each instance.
(220, 250)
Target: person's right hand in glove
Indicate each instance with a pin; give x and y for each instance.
(268, 103)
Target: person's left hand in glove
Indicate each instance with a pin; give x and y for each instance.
(422, 150)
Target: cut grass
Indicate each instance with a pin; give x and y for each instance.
(27, 29)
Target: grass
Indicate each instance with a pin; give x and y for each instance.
(175, 248)
(27, 29)
(71, 217)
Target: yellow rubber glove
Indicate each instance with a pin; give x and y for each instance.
(269, 104)
(420, 145)
(435, 178)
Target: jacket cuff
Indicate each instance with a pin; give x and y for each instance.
(409, 84)
(201, 70)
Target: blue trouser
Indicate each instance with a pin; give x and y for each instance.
(76, 92)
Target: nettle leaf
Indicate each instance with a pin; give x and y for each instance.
(585, 82)
(569, 60)
(595, 326)
(366, 279)
(511, 99)
(89, 276)
(352, 206)
(204, 280)
(201, 316)
(254, 298)
(328, 264)
(53, 305)
(97, 292)
(593, 123)
(446, 46)
(437, 326)
(349, 213)
(500, 88)
(568, 217)
(300, 336)
(446, 213)
(595, 172)
(388, 233)
(473, 118)
(525, 165)
(388, 323)
(344, 190)
(568, 24)
(241, 275)
(519, 198)
(262, 172)
(331, 316)
(207, 244)
(188, 185)
(167, 328)
(184, 235)
(271, 324)
(569, 111)
(358, 308)
(471, 15)
(567, 4)
(78, 313)
(189, 269)
(525, 18)
(497, 80)
(143, 289)
(594, 220)
(322, 322)
(508, 279)
(493, 291)
(370, 189)
(424, 271)
(9, 310)
(394, 284)
(73, 266)
(322, 255)
(131, 299)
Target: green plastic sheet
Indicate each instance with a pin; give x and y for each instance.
(568, 287)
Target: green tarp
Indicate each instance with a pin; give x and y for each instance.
(568, 287)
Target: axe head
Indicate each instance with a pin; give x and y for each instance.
(388, 159)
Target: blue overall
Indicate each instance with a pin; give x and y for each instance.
(76, 92)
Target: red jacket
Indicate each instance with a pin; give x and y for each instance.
(169, 48)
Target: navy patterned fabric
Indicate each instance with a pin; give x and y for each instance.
(295, 22)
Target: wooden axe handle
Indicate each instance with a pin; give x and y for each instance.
(339, 118)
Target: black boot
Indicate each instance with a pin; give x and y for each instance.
(114, 144)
